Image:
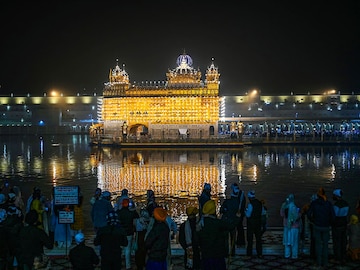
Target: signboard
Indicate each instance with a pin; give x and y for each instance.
(66, 217)
(66, 195)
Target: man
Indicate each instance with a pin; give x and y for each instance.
(230, 207)
(157, 241)
(321, 214)
(111, 238)
(212, 235)
(82, 256)
(339, 226)
(253, 217)
(100, 209)
(204, 196)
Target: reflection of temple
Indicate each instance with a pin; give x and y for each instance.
(182, 107)
(177, 177)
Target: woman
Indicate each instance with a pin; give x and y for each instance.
(292, 223)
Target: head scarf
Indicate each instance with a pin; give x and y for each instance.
(337, 192)
(235, 190)
(251, 194)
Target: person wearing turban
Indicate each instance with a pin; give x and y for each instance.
(228, 210)
(82, 256)
(321, 213)
(204, 196)
(339, 226)
(188, 239)
(157, 241)
(212, 237)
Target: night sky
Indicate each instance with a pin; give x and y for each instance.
(277, 47)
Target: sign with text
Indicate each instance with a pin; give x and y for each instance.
(66, 217)
(66, 195)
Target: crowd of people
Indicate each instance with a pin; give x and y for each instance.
(209, 235)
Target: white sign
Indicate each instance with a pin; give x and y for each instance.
(67, 195)
(66, 217)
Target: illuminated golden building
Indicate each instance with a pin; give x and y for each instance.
(184, 106)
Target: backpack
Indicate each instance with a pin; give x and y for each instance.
(182, 240)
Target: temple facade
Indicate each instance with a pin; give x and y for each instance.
(183, 106)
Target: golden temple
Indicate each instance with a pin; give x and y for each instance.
(183, 106)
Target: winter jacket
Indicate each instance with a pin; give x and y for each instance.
(341, 209)
(321, 213)
(157, 242)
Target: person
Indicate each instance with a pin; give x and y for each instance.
(151, 203)
(82, 256)
(212, 233)
(190, 242)
(264, 217)
(38, 203)
(172, 235)
(292, 222)
(353, 232)
(118, 202)
(253, 221)
(31, 242)
(62, 231)
(19, 202)
(13, 223)
(339, 226)
(141, 224)
(204, 196)
(157, 241)
(4, 236)
(228, 210)
(321, 214)
(307, 228)
(111, 238)
(79, 223)
(96, 196)
(36, 194)
(100, 209)
(126, 219)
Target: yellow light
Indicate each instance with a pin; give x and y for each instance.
(54, 93)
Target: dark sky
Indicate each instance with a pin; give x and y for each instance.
(274, 46)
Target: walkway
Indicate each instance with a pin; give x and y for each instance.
(272, 250)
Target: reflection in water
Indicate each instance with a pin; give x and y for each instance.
(177, 176)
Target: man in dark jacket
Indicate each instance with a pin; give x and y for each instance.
(31, 241)
(321, 214)
(111, 238)
(229, 209)
(126, 219)
(204, 196)
(212, 235)
(339, 226)
(157, 241)
(83, 256)
(253, 221)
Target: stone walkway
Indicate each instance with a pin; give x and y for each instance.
(272, 250)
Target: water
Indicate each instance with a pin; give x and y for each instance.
(177, 175)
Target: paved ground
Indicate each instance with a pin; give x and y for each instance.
(272, 250)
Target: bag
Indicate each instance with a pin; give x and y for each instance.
(182, 239)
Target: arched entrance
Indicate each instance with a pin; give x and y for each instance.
(138, 131)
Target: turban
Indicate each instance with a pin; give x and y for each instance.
(354, 219)
(79, 238)
(191, 210)
(125, 202)
(337, 192)
(209, 208)
(251, 194)
(160, 214)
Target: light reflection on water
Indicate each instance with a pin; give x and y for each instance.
(177, 176)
